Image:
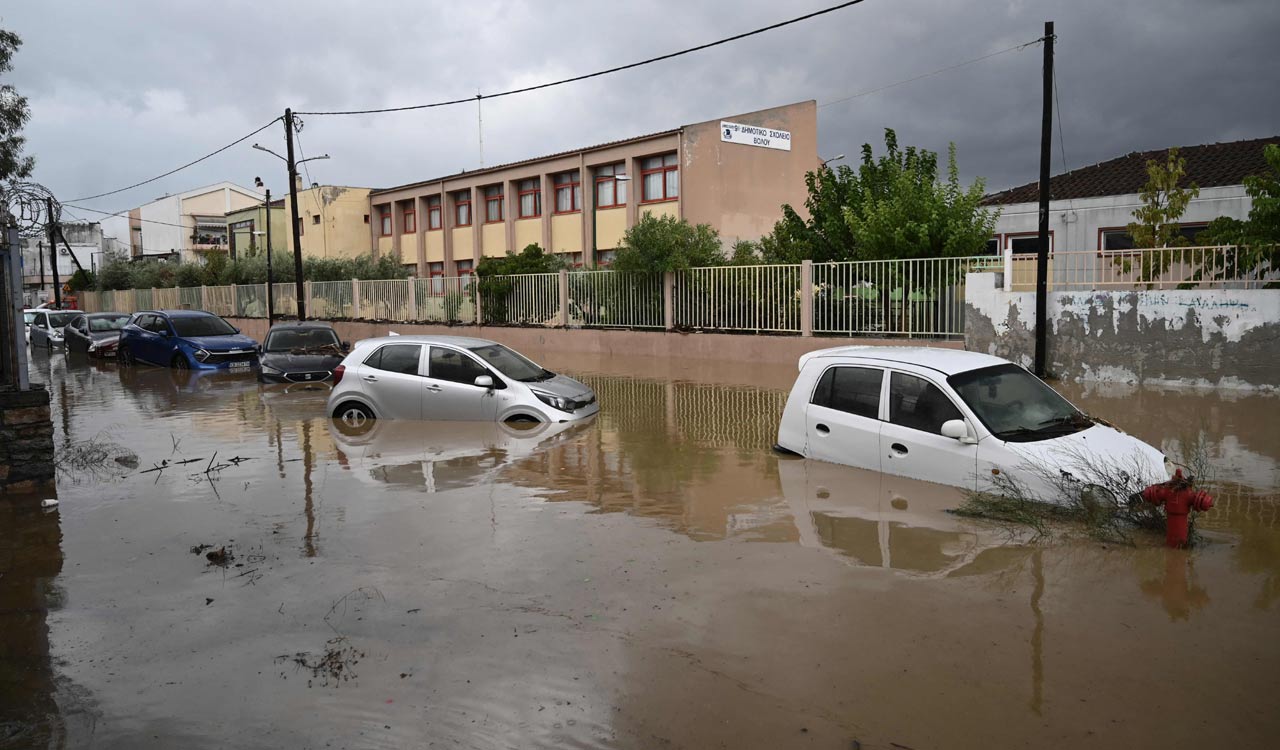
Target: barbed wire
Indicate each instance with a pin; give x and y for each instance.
(29, 204)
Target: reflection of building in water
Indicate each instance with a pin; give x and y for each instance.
(692, 456)
(30, 560)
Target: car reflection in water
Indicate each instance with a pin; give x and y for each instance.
(173, 388)
(883, 521)
(439, 456)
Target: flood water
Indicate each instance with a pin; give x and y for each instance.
(654, 578)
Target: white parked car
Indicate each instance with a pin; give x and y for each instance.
(957, 418)
(451, 378)
(46, 329)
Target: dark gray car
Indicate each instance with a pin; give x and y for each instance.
(303, 352)
(95, 334)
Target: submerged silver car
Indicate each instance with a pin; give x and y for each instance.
(451, 378)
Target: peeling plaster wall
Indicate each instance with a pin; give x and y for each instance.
(1209, 337)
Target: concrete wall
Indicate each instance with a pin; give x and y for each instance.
(342, 231)
(756, 350)
(1209, 337)
(26, 442)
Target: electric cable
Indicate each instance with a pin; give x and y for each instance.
(598, 73)
(931, 73)
(236, 142)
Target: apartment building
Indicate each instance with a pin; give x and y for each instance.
(733, 173)
(247, 229)
(188, 223)
(333, 221)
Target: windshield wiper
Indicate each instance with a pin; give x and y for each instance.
(1016, 431)
(544, 375)
(1075, 419)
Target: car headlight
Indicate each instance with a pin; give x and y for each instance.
(554, 401)
(201, 355)
(269, 370)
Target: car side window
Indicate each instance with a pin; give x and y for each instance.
(454, 366)
(40, 320)
(401, 358)
(855, 390)
(916, 403)
(158, 325)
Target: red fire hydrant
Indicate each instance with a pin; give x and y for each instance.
(1179, 498)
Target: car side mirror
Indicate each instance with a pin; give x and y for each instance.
(346, 346)
(237, 330)
(484, 381)
(956, 429)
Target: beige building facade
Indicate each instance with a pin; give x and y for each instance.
(333, 221)
(247, 229)
(733, 173)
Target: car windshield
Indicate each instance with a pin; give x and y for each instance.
(1016, 405)
(103, 325)
(61, 319)
(305, 339)
(201, 325)
(512, 364)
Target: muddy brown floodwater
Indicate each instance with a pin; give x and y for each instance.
(655, 578)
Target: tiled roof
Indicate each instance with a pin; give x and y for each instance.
(1210, 165)
(547, 157)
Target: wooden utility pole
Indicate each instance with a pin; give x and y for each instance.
(293, 213)
(1042, 253)
(52, 227)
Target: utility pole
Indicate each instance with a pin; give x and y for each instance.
(40, 255)
(293, 213)
(271, 305)
(53, 251)
(1042, 254)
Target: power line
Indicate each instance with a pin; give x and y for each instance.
(598, 73)
(123, 214)
(931, 73)
(236, 142)
(1057, 103)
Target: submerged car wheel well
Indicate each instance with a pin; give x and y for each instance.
(349, 404)
(522, 418)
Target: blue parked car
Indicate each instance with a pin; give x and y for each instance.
(186, 340)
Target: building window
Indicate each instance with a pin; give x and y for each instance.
(530, 192)
(1026, 243)
(366, 218)
(462, 208)
(605, 257)
(300, 226)
(568, 192)
(993, 245)
(660, 178)
(611, 186)
(493, 204)
(410, 221)
(433, 212)
(384, 220)
(1118, 239)
(464, 267)
(436, 273)
(315, 219)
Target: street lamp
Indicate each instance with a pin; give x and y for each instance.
(271, 308)
(838, 157)
(293, 208)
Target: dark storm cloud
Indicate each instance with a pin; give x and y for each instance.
(123, 91)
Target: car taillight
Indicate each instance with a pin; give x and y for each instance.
(337, 373)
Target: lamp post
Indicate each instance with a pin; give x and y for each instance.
(271, 306)
(293, 192)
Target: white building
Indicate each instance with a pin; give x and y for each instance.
(82, 249)
(188, 223)
(1090, 208)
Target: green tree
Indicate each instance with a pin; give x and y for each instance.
(891, 207)
(14, 114)
(668, 244)
(82, 280)
(1257, 238)
(496, 285)
(905, 210)
(1155, 222)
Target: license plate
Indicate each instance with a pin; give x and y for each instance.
(239, 365)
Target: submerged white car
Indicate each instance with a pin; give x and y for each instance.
(451, 378)
(958, 418)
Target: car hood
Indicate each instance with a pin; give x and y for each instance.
(1100, 449)
(291, 362)
(104, 335)
(222, 343)
(562, 385)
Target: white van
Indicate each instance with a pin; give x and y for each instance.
(956, 418)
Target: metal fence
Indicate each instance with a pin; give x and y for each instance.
(899, 298)
(739, 298)
(612, 299)
(893, 297)
(1216, 266)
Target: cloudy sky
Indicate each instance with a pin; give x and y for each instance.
(123, 91)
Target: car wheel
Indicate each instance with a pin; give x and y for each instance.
(353, 419)
(180, 362)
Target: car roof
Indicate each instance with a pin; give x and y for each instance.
(302, 325)
(463, 342)
(105, 314)
(946, 361)
(178, 313)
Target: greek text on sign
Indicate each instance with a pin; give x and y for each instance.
(750, 135)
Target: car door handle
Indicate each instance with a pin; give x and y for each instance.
(898, 449)
(433, 388)
(370, 379)
(823, 429)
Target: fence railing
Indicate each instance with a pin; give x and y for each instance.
(1215, 266)
(896, 298)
